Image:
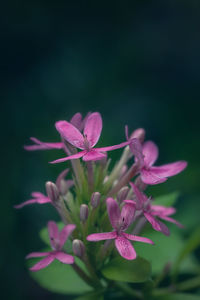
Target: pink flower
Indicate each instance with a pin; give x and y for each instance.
(120, 221)
(76, 121)
(40, 198)
(87, 140)
(152, 212)
(57, 241)
(146, 155)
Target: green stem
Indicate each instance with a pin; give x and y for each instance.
(125, 180)
(189, 284)
(117, 169)
(83, 275)
(128, 290)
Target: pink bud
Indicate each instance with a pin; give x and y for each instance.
(122, 194)
(95, 199)
(52, 191)
(84, 212)
(78, 248)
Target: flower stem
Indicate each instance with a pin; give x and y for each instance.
(90, 175)
(128, 290)
(83, 275)
(125, 180)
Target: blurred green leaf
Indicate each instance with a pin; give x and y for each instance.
(167, 200)
(166, 250)
(60, 278)
(91, 296)
(190, 245)
(178, 296)
(138, 270)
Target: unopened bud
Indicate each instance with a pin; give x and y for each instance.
(122, 194)
(83, 212)
(138, 134)
(140, 184)
(63, 187)
(78, 248)
(95, 199)
(52, 191)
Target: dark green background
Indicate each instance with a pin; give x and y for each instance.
(136, 62)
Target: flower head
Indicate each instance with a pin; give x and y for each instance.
(87, 140)
(120, 221)
(146, 155)
(152, 212)
(57, 241)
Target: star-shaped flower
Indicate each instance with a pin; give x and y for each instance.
(146, 155)
(120, 221)
(57, 241)
(85, 141)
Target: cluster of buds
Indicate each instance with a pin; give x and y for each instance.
(100, 204)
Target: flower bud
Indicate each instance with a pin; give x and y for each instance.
(123, 171)
(52, 191)
(84, 212)
(95, 199)
(140, 184)
(122, 194)
(138, 134)
(63, 187)
(78, 248)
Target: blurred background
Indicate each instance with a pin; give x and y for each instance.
(136, 62)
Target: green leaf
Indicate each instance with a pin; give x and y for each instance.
(167, 200)
(178, 296)
(166, 250)
(91, 296)
(189, 246)
(138, 270)
(60, 278)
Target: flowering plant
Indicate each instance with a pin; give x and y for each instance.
(103, 213)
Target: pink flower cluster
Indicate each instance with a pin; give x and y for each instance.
(125, 200)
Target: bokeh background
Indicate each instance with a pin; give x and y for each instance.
(136, 62)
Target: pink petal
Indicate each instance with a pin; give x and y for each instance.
(164, 228)
(42, 145)
(70, 133)
(93, 155)
(149, 177)
(155, 224)
(110, 148)
(169, 169)
(61, 176)
(142, 198)
(150, 152)
(171, 220)
(95, 237)
(37, 254)
(37, 195)
(158, 209)
(74, 156)
(93, 128)
(65, 232)
(127, 215)
(113, 212)
(136, 149)
(137, 238)
(64, 258)
(53, 234)
(43, 263)
(76, 120)
(125, 248)
(32, 201)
